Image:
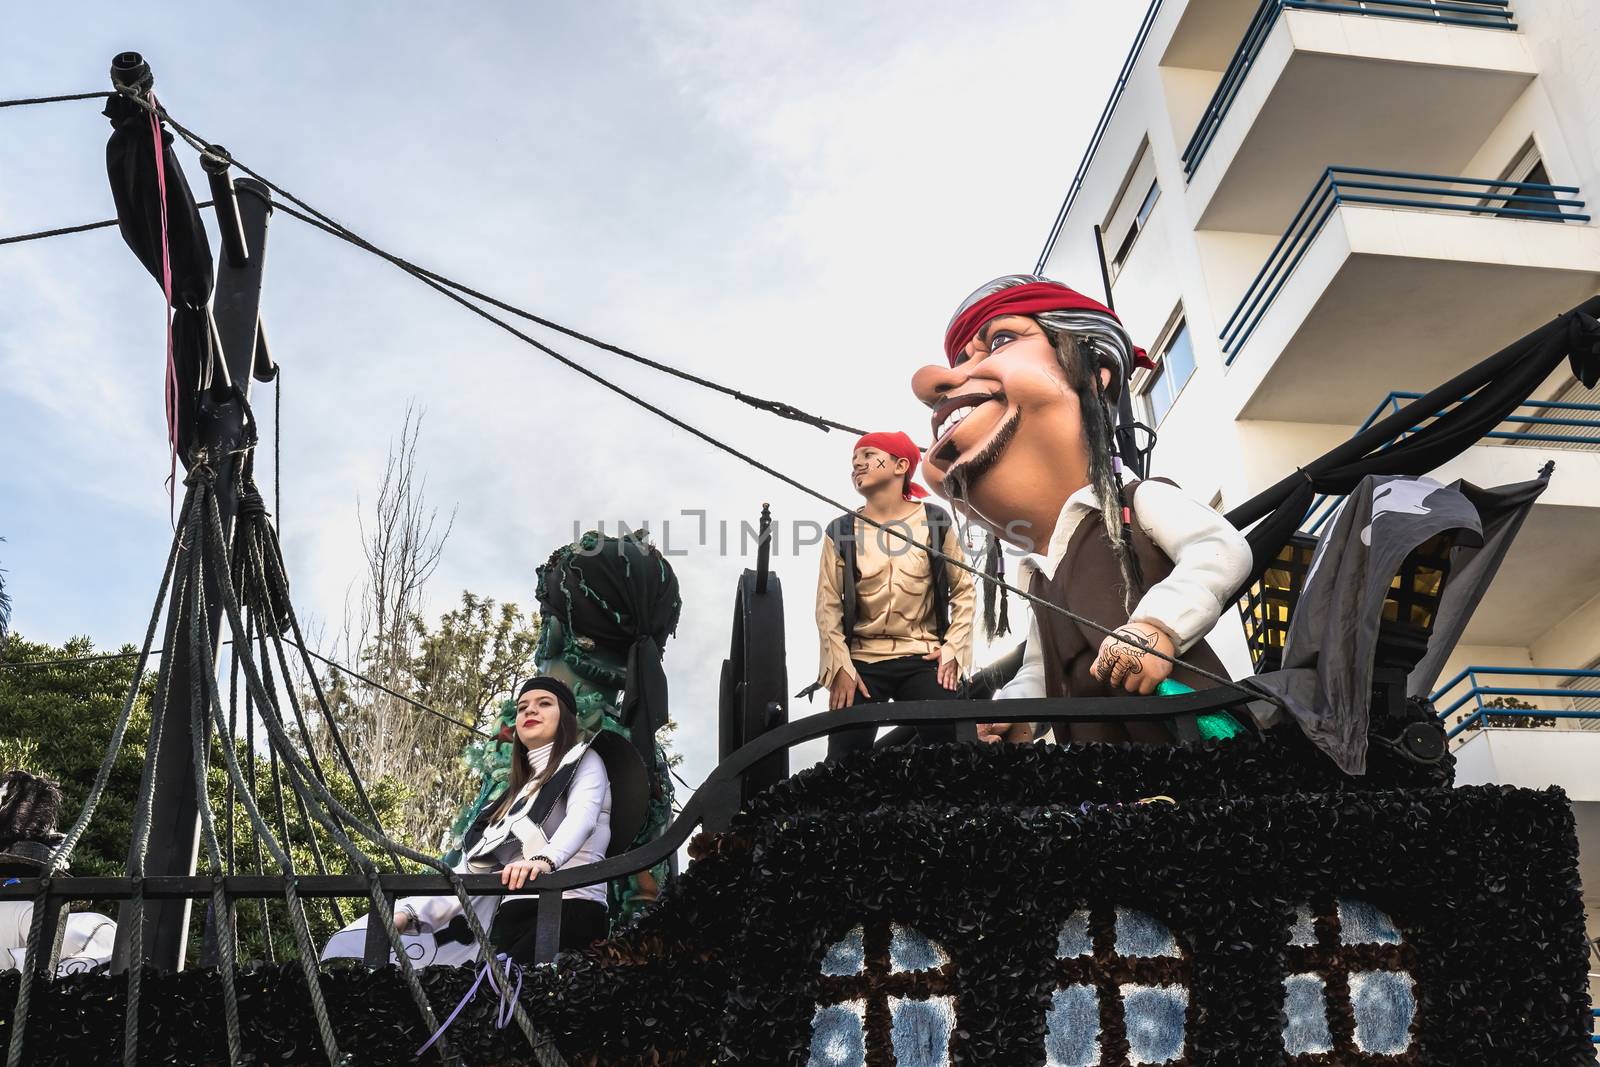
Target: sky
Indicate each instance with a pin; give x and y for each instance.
(789, 198)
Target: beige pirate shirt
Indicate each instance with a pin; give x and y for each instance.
(894, 600)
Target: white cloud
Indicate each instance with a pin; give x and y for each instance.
(785, 197)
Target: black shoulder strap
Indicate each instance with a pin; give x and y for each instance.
(553, 790)
(475, 831)
(939, 523)
(842, 532)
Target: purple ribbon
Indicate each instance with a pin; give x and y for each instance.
(504, 1010)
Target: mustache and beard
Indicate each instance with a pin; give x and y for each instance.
(958, 482)
(964, 475)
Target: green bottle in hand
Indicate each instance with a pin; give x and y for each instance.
(1213, 724)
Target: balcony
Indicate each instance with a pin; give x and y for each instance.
(1532, 727)
(1401, 278)
(1480, 698)
(1568, 423)
(1406, 84)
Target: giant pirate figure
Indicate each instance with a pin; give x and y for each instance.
(1024, 443)
(893, 622)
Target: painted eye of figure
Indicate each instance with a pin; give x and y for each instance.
(1000, 337)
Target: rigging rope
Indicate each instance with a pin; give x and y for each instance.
(221, 905)
(298, 645)
(330, 225)
(775, 407)
(322, 802)
(339, 230)
(19, 1019)
(65, 230)
(251, 773)
(160, 156)
(55, 99)
(773, 472)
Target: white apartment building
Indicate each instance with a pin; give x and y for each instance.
(1311, 208)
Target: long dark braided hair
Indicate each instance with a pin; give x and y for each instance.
(1085, 342)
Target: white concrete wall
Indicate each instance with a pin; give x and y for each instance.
(1564, 36)
(1231, 262)
(1572, 642)
(1532, 759)
(1188, 91)
(1204, 443)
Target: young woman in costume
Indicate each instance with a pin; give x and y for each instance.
(1023, 425)
(555, 813)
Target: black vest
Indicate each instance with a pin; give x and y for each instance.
(841, 532)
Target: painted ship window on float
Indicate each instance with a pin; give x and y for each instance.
(1122, 991)
(1349, 989)
(883, 977)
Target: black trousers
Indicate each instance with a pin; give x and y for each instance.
(905, 678)
(516, 927)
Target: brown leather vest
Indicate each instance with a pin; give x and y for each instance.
(1088, 582)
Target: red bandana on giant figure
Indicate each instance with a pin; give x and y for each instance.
(900, 446)
(1029, 299)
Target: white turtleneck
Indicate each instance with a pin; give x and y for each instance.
(539, 758)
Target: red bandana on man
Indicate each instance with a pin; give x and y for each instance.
(1027, 299)
(900, 446)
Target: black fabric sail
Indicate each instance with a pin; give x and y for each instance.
(135, 188)
(1483, 396)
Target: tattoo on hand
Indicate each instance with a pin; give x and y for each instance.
(1130, 650)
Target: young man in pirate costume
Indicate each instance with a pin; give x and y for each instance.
(894, 623)
(1023, 424)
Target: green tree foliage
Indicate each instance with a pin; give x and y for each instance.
(57, 721)
(475, 654)
(5, 606)
(459, 667)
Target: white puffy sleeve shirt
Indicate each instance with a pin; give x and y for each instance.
(1209, 561)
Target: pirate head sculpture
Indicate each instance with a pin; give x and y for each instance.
(1024, 415)
(1025, 443)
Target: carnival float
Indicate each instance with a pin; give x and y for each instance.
(1305, 887)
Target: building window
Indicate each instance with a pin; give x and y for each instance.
(1174, 367)
(884, 973)
(1528, 166)
(1585, 697)
(1352, 958)
(1130, 211)
(1093, 1016)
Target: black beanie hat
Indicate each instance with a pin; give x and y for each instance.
(569, 703)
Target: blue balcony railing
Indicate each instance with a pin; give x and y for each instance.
(1491, 13)
(1478, 703)
(1387, 188)
(1564, 423)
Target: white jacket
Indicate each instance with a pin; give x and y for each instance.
(581, 822)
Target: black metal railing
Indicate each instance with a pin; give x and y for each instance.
(712, 807)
